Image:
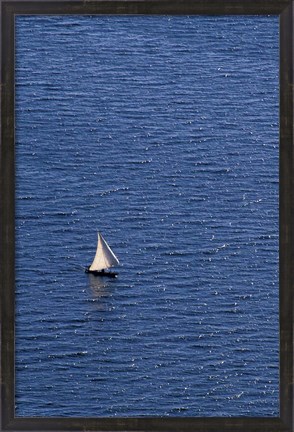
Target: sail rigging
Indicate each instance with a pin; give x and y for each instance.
(104, 257)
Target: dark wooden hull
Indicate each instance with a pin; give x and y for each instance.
(101, 273)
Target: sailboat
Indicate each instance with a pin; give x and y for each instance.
(104, 259)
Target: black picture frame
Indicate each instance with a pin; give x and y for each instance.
(283, 8)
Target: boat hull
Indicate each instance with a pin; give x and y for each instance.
(101, 273)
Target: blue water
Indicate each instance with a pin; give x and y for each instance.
(162, 133)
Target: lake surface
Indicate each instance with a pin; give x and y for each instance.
(162, 133)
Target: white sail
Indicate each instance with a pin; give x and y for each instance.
(104, 257)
